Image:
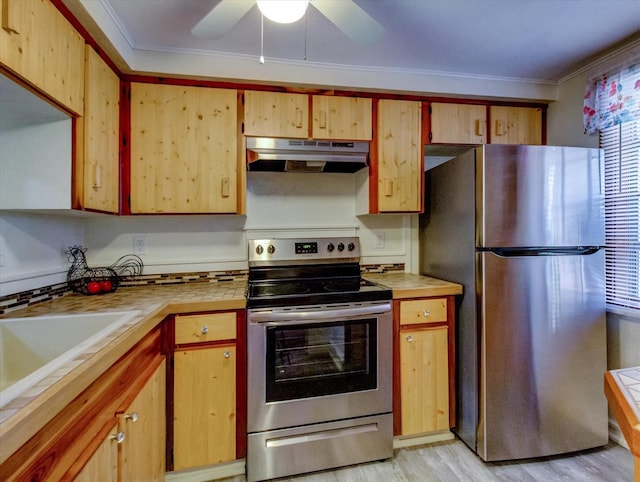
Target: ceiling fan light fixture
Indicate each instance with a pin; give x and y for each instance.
(283, 11)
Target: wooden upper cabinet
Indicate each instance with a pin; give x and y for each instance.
(184, 149)
(341, 118)
(458, 123)
(276, 114)
(516, 125)
(42, 48)
(99, 174)
(399, 156)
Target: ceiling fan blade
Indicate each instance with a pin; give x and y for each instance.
(351, 19)
(221, 18)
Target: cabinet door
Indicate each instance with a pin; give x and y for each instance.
(400, 154)
(424, 380)
(276, 114)
(204, 426)
(39, 45)
(184, 153)
(144, 426)
(516, 125)
(458, 123)
(103, 464)
(101, 125)
(341, 118)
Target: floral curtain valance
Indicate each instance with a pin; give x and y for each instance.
(612, 99)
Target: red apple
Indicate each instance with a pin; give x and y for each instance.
(93, 287)
(105, 285)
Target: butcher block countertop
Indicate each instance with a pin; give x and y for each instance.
(24, 416)
(407, 285)
(622, 388)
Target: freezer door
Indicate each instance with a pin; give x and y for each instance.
(538, 196)
(542, 355)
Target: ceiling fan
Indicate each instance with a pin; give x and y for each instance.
(345, 14)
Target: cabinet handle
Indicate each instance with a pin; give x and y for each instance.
(224, 188)
(204, 330)
(323, 120)
(426, 313)
(97, 176)
(298, 117)
(8, 22)
(133, 416)
(479, 127)
(388, 187)
(499, 128)
(409, 339)
(227, 354)
(119, 437)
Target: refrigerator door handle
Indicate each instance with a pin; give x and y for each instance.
(559, 251)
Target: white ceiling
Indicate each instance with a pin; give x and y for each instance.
(515, 41)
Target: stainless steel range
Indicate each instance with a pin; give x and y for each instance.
(319, 348)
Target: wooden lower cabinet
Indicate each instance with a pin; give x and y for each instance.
(142, 454)
(207, 423)
(103, 464)
(204, 426)
(424, 384)
(424, 380)
(81, 441)
(135, 449)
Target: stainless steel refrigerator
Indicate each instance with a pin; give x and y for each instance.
(521, 228)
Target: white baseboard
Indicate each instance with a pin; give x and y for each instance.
(209, 473)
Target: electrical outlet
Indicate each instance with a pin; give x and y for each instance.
(139, 245)
(378, 242)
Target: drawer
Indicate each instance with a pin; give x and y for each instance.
(202, 328)
(433, 310)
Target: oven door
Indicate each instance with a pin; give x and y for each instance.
(315, 364)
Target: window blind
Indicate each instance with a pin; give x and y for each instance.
(621, 144)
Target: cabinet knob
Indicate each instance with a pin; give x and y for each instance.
(204, 330)
(409, 339)
(426, 313)
(133, 416)
(227, 354)
(119, 437)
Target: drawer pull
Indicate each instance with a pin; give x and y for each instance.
(204, 330)
(133, 416)
(426, 313)
(227, 354)
(409, 339)
(119, 437)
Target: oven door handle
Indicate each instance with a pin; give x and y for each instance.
(271, 316)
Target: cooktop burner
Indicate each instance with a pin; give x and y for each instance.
(294, 272)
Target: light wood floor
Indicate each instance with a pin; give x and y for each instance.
(453, 461)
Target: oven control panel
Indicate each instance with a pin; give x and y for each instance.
(283, 251)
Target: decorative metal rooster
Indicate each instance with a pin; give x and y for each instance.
(83, 279)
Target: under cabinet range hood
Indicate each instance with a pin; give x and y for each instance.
(305, 155)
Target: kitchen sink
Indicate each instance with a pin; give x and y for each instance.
(33, 348)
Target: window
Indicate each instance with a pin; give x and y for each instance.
(621, 144)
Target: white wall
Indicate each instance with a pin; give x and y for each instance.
(32, 249)
(278, 204)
